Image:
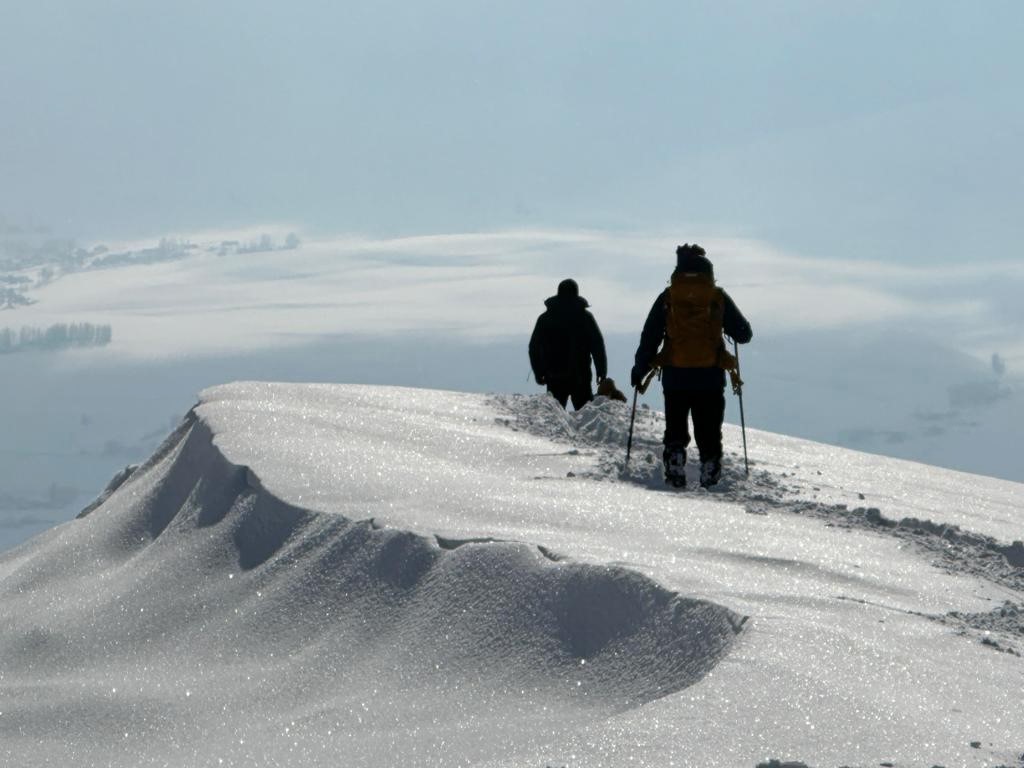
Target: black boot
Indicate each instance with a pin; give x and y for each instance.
(710, 473)
(675, 464)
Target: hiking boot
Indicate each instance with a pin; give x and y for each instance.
(710, 473)
(675, 464)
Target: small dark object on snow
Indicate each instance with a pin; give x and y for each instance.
(606, 388)
(1015, 554)
(874, 516)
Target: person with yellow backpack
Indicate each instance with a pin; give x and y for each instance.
(687, 321)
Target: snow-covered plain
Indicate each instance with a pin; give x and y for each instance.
(368, 576)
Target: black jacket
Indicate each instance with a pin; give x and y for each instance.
(564, 340)
(734, 324)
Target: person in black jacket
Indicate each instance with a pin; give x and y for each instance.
(564, 340)
(690, 390)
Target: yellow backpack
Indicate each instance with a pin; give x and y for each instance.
(694, 310)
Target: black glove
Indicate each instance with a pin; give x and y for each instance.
(636, 377)
(540, 379)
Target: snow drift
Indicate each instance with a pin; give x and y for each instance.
(189, 563)
(506, 608)
(325, 575)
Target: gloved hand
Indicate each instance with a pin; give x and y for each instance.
(636, 376)
(540, 379)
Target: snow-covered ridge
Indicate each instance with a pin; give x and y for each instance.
(601, 430)
(195, 565)
(615, 633)
(325, 574)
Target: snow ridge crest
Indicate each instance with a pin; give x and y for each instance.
(194, 533)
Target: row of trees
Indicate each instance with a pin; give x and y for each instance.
(59, 336)
(54, 258)
(168, 249)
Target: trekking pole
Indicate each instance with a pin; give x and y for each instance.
(632, 418)
(637, 390)
(737, 387)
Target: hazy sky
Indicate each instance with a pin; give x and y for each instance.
(876, 130)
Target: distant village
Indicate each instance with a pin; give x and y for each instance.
(29, 262)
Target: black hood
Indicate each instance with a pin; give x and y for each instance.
(566, 303)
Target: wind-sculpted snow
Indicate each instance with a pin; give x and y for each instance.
(325, 575)
(189, 573)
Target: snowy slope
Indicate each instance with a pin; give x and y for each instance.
(345, 575)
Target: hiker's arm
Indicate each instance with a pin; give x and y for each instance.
(650, 338)
(597, 350)
(537, 350)
(734, 323)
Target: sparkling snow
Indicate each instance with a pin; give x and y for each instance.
(371, 576)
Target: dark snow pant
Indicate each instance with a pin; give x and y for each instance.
(708, 410)
(581, 393)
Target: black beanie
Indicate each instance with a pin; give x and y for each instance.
(568, 288)
(687, 251)
(692, 258)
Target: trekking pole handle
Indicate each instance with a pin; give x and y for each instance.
(646, 382)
